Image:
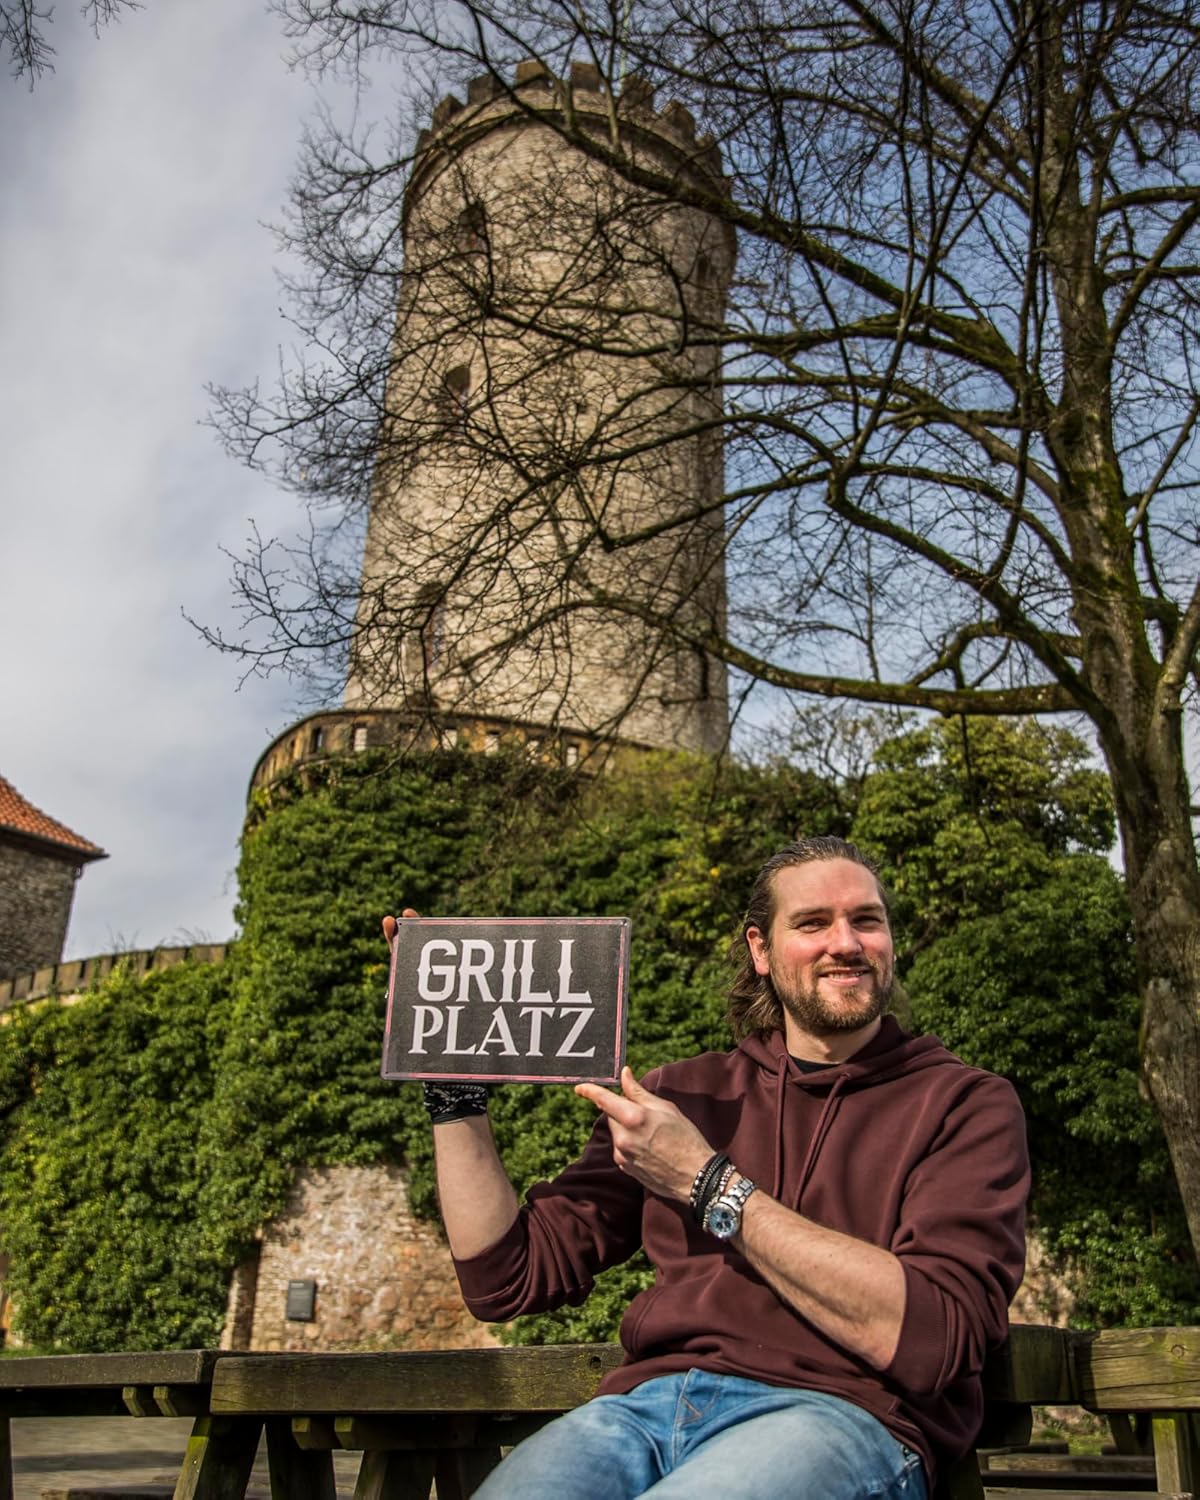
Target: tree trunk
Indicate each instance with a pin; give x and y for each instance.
(1164, 894)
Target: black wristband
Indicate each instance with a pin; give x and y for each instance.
(706, 1178)
(453, 1100)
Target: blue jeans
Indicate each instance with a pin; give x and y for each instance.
(697, 1435)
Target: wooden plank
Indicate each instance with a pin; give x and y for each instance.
(1131, 1432)
(297, 1473)
(219, 1458)
(1048, 1482)
(110, 1492)
(138, 1401)
(1138, 1369)
(405, 1434)
(63, 1403)
(1034, 1366)
(81, 1371)
(181, 1400)
(1064, 1463)
(313, 1432)
(395, 1476)
(459, 1474)
(1004, 1492)
(1177, 1451)
(550, 1378)
(6, 1479)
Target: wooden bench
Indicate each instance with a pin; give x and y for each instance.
(444, 1417)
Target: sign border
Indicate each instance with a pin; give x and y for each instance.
(619, 1037)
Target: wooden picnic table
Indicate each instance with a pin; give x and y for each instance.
(445, 1416)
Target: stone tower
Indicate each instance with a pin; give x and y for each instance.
(552, 442)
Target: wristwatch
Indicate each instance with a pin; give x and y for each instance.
(724, 1216)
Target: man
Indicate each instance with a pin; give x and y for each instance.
(834, 1211)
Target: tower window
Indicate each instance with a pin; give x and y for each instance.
(454, 394)
(470, 229)
(433, 628)
(360, 737)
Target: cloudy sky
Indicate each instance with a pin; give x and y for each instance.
(134, 269)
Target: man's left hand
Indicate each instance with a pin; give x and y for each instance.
(652, 1141)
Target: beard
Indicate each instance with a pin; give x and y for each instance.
(819, 1014)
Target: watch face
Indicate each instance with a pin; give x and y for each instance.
(723, 1220)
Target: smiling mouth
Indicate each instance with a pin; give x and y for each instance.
(846, 976)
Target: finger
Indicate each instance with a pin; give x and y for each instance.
(616, 1108)
(409, 912)
(390, 927)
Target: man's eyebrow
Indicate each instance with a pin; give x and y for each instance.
(864, 908)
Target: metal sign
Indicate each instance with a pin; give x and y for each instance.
(514, 1000)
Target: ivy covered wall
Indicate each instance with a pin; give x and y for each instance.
(148, 1131)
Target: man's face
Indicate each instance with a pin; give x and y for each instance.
(829, 955)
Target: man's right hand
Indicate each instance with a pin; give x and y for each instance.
(477, 1200)
(452, 1100)
(391, 927)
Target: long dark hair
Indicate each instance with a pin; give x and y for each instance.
(753, 1003)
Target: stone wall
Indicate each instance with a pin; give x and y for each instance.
(36, 890)
(384, 1279)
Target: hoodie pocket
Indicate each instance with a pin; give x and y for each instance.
(635, 1316)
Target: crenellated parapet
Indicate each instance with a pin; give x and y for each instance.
(71, 980)
(534, 89)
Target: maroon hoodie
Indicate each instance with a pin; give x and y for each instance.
(903, 1145)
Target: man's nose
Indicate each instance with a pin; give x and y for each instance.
(843, 937)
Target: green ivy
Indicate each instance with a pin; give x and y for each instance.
(147, 1132)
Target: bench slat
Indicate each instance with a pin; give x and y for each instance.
(1033, 1367)
(1139, 1369)
(81, 1371)
(544, 1378)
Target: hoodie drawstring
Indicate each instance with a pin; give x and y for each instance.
(816, 1140)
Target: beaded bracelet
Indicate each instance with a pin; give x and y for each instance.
(715, 1189)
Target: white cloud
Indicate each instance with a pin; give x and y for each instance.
(133, 269)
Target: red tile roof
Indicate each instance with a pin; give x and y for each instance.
(19, 816)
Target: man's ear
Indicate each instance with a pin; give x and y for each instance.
(759, 953)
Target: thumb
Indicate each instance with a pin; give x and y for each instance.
(631, 1088)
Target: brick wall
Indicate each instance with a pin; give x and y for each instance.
(384, 1278)
(36, 891)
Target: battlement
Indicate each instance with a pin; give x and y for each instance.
(339, 732)
(68, 981)
(585, 90)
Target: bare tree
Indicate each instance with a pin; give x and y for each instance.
(23, 26)
(950, 391)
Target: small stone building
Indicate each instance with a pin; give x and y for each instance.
(40, 861)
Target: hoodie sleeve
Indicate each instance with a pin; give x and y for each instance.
(566, 1232)
(961, 1239)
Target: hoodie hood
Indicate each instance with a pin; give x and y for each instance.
(890, 1053)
